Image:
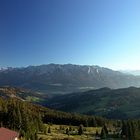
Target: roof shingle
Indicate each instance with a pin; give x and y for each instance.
(7, 134)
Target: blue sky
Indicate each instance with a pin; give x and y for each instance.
(87, 32)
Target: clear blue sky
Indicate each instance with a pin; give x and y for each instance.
(94, 32)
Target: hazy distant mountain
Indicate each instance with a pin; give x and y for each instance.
(134, 72)
(55, 78)
(117, 103)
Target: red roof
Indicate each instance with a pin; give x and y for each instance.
(7, 134)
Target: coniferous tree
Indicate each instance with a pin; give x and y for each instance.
(124, 129)
(80, 130)
(97, 133)
(36, 137)
(67, 131)
(105, 128)
(94, 124)
(103, 133)
(130, 130)
(70, 129)
(49, 129)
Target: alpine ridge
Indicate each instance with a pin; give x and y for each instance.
(67, 78)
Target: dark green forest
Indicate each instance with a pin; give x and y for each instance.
(106, 102)
(28, 119)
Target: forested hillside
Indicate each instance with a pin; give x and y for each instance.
(29, 119)
(115, 104)
(20, 116)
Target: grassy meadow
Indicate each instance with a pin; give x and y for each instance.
(59, 132)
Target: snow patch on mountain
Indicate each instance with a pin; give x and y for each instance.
(97, 71)
(89, 70)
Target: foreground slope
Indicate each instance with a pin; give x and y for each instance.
(119, 103)
(55, 78)
(28, 119)
(34, 121)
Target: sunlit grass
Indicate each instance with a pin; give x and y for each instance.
(58, 132)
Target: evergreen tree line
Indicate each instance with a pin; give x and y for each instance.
(58, 117)
(131, 129)
(20, 116)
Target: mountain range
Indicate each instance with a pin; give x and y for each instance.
(56, 78)
(133, 72)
